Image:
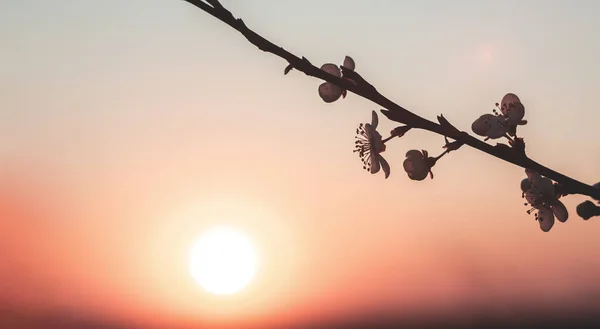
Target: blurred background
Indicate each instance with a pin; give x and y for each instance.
(126, 127)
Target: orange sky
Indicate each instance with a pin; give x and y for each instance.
(138, 128)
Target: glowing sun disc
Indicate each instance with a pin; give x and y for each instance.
(223, 261)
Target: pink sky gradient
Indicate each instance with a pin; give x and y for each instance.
(126, 128)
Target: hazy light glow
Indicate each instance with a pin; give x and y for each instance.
(223, 261)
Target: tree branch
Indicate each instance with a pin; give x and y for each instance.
(394, 111)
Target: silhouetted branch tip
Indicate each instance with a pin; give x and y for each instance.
(288, 69)
(450, 128)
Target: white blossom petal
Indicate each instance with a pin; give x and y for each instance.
(374, 138)
(489, 125)
(377, 142)
(416, 165)
(482, 125)
(497, 127)
(374, 158)
(560, 211)
(508, 99)
(421, 175)
(532, 175)
(329, 92)
(515, 113)
(385, 166)
(371, 133)
(540, 185)
(349, 63)
(369, 145)
(525, 184)
(408, 165)
(512, 108)
(532, 198)
(546, 219)
(332, 69)
(414, 153)
(374, 120)
(545, 187)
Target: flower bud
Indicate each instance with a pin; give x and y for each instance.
(399, 131)
(587, 210)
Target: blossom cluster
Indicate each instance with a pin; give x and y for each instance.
(369, 145)
(542, 196)
(541, 193)
(330, 92)
(504, 121)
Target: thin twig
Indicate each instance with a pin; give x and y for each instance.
(394, 111)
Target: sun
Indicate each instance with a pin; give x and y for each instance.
(223, 260)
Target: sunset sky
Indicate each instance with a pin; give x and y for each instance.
(128, 127)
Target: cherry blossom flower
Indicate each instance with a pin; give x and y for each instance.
(418, 164)
(502, 122)
(490, 126)
(328, 91)
(369, 145)
(541, 196)
(513, 110)
(349, 63)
